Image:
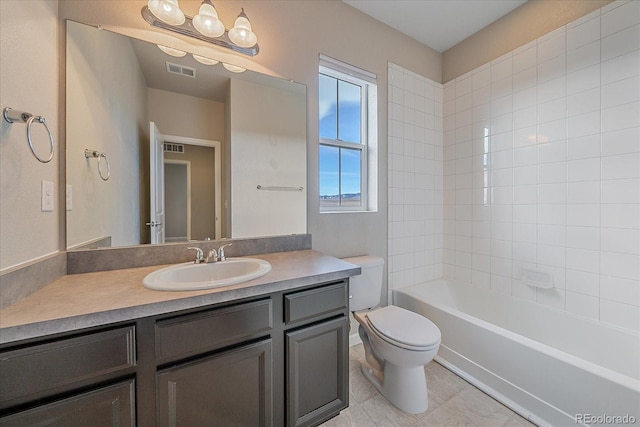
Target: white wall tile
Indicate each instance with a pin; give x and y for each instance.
(621, 166)
(621, 92)
(556, 184)
(621, 191)
(620, 18)
(584, 147)
(626, 266)
(583, 260)
(620, 290)
(581, 237)
(621, 141)
(620, 216)
(621, 42)
(623, 315)
(585, 33)
(583, 192)
(583, 282)
(620, 240)
(621, 67)
(583, 305)
(583, 215)
(584, 79)
(583, 57)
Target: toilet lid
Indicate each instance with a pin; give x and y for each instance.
(404, 326)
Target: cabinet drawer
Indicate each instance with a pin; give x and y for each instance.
(53, 366)
(318, 303)
(109, 406)
(212, 329)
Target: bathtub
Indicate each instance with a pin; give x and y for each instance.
(552, 367)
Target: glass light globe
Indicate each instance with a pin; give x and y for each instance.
(241, 33)
(204, 60)
(233, 68)
(167, 11)
(171, 51)
(206, 22)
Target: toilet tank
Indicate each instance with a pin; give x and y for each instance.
(365, 289)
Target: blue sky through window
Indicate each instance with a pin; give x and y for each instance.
(340, 118)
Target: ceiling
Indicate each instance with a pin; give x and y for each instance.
(439, 24)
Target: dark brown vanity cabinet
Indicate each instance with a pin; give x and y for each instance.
(275, 360)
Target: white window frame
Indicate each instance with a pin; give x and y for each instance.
(367, 82)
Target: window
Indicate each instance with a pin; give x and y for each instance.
(347, 129)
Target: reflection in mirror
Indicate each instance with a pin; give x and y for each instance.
(218, 136)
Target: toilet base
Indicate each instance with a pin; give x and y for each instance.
(405, 388)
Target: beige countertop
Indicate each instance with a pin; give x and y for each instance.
(80, 301)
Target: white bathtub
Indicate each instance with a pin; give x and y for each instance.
(546, 364)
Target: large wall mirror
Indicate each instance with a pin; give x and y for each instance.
(167, 149)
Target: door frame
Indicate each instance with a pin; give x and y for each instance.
(217, 163)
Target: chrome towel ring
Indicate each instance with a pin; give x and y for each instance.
(88, 154)
(12, 116)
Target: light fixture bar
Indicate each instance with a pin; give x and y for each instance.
(187, 29)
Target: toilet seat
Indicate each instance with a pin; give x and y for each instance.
(403, 328)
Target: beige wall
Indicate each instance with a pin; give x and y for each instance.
(533, 19)
(183, 115)
(29, 77)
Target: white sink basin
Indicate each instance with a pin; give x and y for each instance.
(193, 277)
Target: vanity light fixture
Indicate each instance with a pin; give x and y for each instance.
(204, 60)
(206, 22)
(167, 11)
(241, 33)
(233, 68)
(205, 26)
(171, 51)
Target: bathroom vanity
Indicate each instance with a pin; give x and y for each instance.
(273, 351)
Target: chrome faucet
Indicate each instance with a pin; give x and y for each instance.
(216, 256)
(199, 255)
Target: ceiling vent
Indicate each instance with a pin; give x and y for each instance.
(170, 147)
(181, 69)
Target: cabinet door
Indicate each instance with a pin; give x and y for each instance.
(109, 406)
(228, 389)
(317, 372)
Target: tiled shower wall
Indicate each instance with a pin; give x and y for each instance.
(415, 178)
(541, 172)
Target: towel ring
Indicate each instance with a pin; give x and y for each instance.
(12, 116)
(93, 153)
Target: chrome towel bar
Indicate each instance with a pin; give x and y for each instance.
(88, 154)
(276, 188)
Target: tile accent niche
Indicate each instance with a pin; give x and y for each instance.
(415, 178)
(541, 170)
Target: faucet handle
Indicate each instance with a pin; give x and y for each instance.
(221, 251)
(199, 255)
(212, 256)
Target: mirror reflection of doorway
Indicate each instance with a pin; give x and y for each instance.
(177, 194)
(190, 193)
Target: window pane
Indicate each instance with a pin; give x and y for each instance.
(350, 177)
(328, 94)
(329, 175)
(349, 111)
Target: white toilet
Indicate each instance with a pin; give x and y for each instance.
(397, 342)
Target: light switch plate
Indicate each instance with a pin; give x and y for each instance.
(69, 197)
(47, 196)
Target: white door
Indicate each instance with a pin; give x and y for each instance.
(156, 169)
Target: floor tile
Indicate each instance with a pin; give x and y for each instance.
(452, 402)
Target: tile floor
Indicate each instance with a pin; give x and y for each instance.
(452, 402)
